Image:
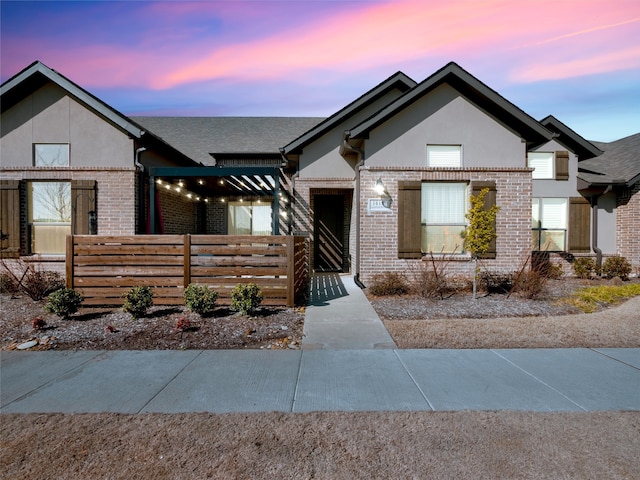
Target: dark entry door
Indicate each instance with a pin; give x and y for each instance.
(328, 233)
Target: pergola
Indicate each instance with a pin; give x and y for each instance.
(255, 181)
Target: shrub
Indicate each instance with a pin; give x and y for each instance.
(200, 299)
(584, 267)
(246, 298)
(389, 283)
(37, 284)
(137, 301)
(616, 267)
(497, 282)
(64, 302)
(530, 283)
(8, 283)
(431, 279)
(554, 271)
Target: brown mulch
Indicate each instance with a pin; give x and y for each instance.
(113, 329)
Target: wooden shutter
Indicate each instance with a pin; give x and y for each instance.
(562, 165)
(10, 218)
(579, 225)
(83, 201)
(409, 227)
(489, 201)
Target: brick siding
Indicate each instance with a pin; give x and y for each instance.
(628, 226)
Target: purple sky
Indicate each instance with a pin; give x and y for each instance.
(578, 60)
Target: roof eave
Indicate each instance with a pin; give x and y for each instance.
(399, 80)
(585, 148)
(38, 68)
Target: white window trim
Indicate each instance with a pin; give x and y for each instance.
(39, 144)
(446, 156)
(463, 221)
(545, 172)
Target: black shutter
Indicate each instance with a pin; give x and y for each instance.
(409, 227)
(579, 225)
(10, 218)
(562, 165)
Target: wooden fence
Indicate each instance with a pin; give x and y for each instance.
(104, 268)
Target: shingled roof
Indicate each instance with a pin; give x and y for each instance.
(200, 137)
(618, 165)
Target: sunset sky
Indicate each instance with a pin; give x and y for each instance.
(577, 59)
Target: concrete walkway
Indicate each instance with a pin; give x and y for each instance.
(319, 380)
(340, 317)
(348, 363)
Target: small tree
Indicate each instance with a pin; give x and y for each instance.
(481, 230)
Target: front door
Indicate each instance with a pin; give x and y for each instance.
(328, 233)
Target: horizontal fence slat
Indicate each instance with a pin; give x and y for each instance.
(100, 249)
(121, 271)
(128, 239)
(106, 267)
(237, 250)
(128, 260)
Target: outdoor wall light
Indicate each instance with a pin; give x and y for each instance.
(384, 194)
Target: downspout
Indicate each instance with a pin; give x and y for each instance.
(140, 168)
(360, 152)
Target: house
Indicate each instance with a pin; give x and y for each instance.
(381, 185)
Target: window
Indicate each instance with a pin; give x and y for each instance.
(549, 217)
(249, 218)
(51, 155)
(444, 206)
(444, 155)
(542, 164)
(49, 216)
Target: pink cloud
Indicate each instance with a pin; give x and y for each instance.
(396, 32)
(575, 37)
(626, 59)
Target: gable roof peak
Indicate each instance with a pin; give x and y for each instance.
(471, 88)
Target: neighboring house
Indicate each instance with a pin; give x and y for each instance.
(381, 185)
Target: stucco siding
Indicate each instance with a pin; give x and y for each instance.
(557, 188)
(50, 116)
(322, 159)
(444, 117)
(607, 224)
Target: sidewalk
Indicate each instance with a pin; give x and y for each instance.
(319, 380)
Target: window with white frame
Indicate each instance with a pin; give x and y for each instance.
(49, 216)
(444, 206)
(249, 217)
(51, 154)
(542, 164)
(444, 156)
(549, 224)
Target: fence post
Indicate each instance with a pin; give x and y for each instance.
(187, 260)
(69, 262)
(291, 271)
